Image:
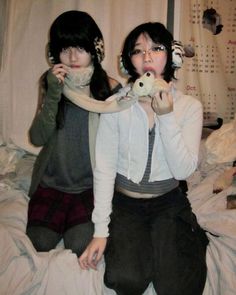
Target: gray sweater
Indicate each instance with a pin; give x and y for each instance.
(44, 132)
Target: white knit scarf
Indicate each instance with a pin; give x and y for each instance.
(77, 82)
(74, 89)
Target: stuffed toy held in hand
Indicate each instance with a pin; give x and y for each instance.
(158, 91)
(147, 85)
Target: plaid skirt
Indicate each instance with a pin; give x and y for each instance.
(58, 210)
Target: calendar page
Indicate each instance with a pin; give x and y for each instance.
(207, 30)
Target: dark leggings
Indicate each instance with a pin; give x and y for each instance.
(156, 240)
(54, 215)
(75, 238)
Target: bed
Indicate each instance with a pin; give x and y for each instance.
(24, 271)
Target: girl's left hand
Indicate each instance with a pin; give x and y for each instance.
(162, 102)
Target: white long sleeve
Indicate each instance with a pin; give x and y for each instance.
(181, 136)
(105, 172)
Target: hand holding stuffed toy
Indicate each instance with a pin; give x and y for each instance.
(156, 89)
(162, 102)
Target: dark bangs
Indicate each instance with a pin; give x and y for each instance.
(65, 40)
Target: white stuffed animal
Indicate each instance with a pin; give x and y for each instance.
(147, 85)
(147, 88)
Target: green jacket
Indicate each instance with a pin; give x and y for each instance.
(43, 131)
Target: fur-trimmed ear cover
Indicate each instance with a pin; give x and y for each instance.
(147, 85)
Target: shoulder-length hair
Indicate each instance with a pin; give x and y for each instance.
(159, 34)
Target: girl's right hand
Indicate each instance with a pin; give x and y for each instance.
(93, 253)
(60, 71)
(55, 80)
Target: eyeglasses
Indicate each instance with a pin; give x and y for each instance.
(153, 50)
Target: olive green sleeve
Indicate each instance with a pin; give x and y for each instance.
(44, 124)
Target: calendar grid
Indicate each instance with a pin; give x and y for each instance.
(211, 74)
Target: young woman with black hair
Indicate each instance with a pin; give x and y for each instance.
(142, 217)
(61, 192)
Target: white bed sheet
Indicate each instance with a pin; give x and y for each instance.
(23, 271)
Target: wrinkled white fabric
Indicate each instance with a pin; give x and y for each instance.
(24, 271)
(221, 144)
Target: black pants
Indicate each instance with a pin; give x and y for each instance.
(155, 240)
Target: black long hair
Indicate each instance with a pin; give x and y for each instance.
(159, 34)
(78, 29)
